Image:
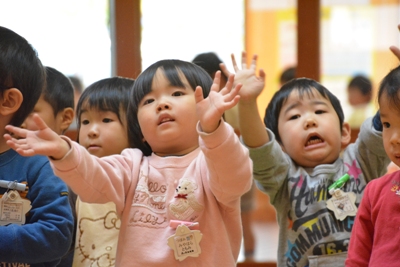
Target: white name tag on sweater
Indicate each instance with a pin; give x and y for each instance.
(13, 208)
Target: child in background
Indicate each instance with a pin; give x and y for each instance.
(178, 193)
(287, 75)
(56, 108)
(78, 89)
(56, 103)
(210, 62)
(102, 128)
(37, 222)
(297, 161)
(359, 93)
(374, 240)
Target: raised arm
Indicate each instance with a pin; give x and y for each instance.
(41, 142)
(210, 109)
(252, 128)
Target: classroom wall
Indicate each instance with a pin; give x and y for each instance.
(355, 39)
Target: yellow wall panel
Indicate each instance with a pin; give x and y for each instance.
(261, 39)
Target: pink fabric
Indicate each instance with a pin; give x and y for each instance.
(214, 176)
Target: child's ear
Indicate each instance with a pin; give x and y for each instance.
(346, 134)
(11, 101)
(66, 118)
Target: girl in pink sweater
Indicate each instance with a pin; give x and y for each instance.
(177, 193)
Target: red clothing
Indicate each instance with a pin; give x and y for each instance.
(376, 232)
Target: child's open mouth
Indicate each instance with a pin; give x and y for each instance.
(164, 118)
(312, 140)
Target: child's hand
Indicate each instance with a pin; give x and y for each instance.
(252, 85)
(395, 50)
(42, 142)
(211, 109)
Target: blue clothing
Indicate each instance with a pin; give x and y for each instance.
(47, 233)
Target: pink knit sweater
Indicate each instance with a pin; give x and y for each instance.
(203, 186)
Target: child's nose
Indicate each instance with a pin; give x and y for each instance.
(93, 131)
(395, 139)
(163, 106)
(310, 122)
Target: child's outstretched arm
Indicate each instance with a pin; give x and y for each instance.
(41, 142)
(210, 109)
(252, 128)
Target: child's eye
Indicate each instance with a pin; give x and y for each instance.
(147, 101)
(85, 122)
(178, 93)
(386, 125)
(294, 117)
(107, 120)
(320, 111)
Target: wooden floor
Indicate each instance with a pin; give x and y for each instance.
(256, 264)
(266, 235)
(265, 230)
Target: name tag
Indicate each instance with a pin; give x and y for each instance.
(13, 208)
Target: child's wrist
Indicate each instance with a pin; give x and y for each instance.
(209, 129)
(249, 101)
(62, 151)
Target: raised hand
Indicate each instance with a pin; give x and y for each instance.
(211, 109)
(252, 84)
(41, 142)
(252, 128)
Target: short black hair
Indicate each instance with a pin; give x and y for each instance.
(287, 75)
(173, 70)
(21, 68)
(110, 94)
(304, 86)
(209, 62)
(59, 92)
(361, 82)
(390, 85)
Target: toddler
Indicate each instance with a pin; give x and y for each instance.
(178, 193)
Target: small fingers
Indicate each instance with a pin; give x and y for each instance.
(231, 92)
(229, 84)
(244, 61)
(396, 51)
(12, 142)
(236, 90)
(16, 131)
(262, 74)
(25, 152)
(253, 62)
(216, 82)
(39, 122)
(234, 63)
(198, 94)
(224, 69)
